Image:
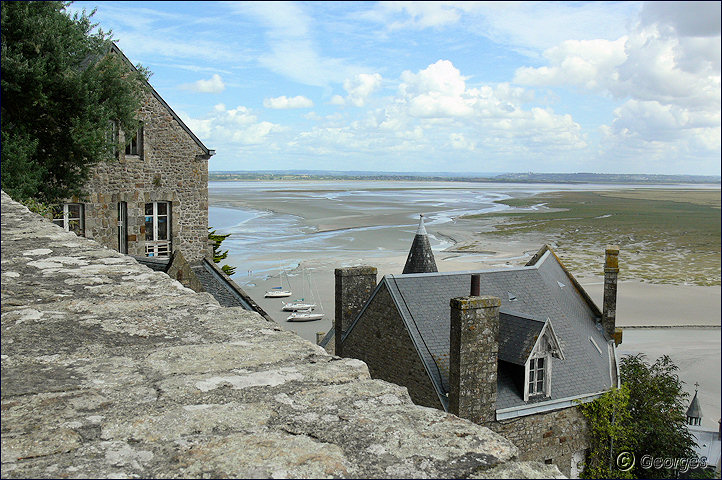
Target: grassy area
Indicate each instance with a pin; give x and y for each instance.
(665, 236)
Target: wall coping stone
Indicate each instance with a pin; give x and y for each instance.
(110, 369)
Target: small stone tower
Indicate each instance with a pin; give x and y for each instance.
(421, 258)
(694, 412)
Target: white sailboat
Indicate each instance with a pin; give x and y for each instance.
(307, 314)
(300, 304)
(279, 292)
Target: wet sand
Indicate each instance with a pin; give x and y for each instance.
(317, 228)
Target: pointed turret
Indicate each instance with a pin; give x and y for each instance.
(421, 258)
(694, 412)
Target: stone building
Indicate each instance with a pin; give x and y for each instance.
(512, 349)
(151, 202)
(153, 198)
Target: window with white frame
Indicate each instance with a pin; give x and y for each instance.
(134, 143)
(70, 216)
(157, 229)
(537, 378)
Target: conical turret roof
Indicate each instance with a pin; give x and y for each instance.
(421, 258)
(694, 410)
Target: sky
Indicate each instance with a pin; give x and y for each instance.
(606, 87)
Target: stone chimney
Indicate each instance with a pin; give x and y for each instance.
(473, 357)
(609, 307)
(421, 258)
(354, 286)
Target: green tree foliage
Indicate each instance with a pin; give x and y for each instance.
(657, 404)
(218, 255)
(610, 434)
(62, 90)
(646, 417)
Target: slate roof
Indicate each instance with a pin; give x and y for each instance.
(421, 257)
(423, 302)
(517, 337)
(694, 410)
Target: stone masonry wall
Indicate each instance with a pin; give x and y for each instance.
(381, 341)
(353, 288)
(555, 435)
(112, 370)
(172, 168)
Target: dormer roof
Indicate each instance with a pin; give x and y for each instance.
(694, 410)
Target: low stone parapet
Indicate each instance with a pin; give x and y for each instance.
(110, 369)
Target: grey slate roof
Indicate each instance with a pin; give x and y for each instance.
(517, 337)
(423, 302)
(421, 257)
(694, 410)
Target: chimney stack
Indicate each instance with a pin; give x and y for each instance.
(473, 357)
(609, 308)
(475, 285)
(354, 286)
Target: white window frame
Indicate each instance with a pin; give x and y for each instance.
(123, 227)
(65, 220)
(158, 247)
(529, 370)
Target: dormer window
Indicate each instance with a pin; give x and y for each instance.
(527, 345)
(537, 380)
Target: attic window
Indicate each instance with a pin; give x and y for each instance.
(134, 145)
(561, 285)
(537, 379)
(512, 297)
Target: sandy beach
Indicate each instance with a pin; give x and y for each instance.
(311, 229)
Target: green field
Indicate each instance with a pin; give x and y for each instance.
(665, 235)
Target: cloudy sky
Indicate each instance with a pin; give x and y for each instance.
(610, 87)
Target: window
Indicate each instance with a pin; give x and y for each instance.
(157, 229)
(536, 377)
(70, 216)
(134, 144)
(123, 227)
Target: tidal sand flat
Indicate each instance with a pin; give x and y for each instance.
(669, 240)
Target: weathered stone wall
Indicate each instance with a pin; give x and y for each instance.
(172, 168)
(111, 370)
(381, 341)
(353, 288)
(554, 435)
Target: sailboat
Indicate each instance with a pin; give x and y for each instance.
(279, 292)
(300, 304)
(307, 314)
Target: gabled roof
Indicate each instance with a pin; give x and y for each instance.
(520, 334)
(114, 48)
(423, 303)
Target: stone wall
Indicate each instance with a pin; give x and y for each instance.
(555, 435)
(381, 341)
(111, 370)
(172, 167)
(353, 288)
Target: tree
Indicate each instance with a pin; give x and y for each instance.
(645, 417)
(657, 405)
(610, 434)
(62, 93)
(217, 254)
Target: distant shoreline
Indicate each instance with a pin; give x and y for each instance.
(544, 178)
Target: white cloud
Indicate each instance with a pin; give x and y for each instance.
(666, 71)
(212, 85)
(359, 89)
(231, 126)
(284, 102)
